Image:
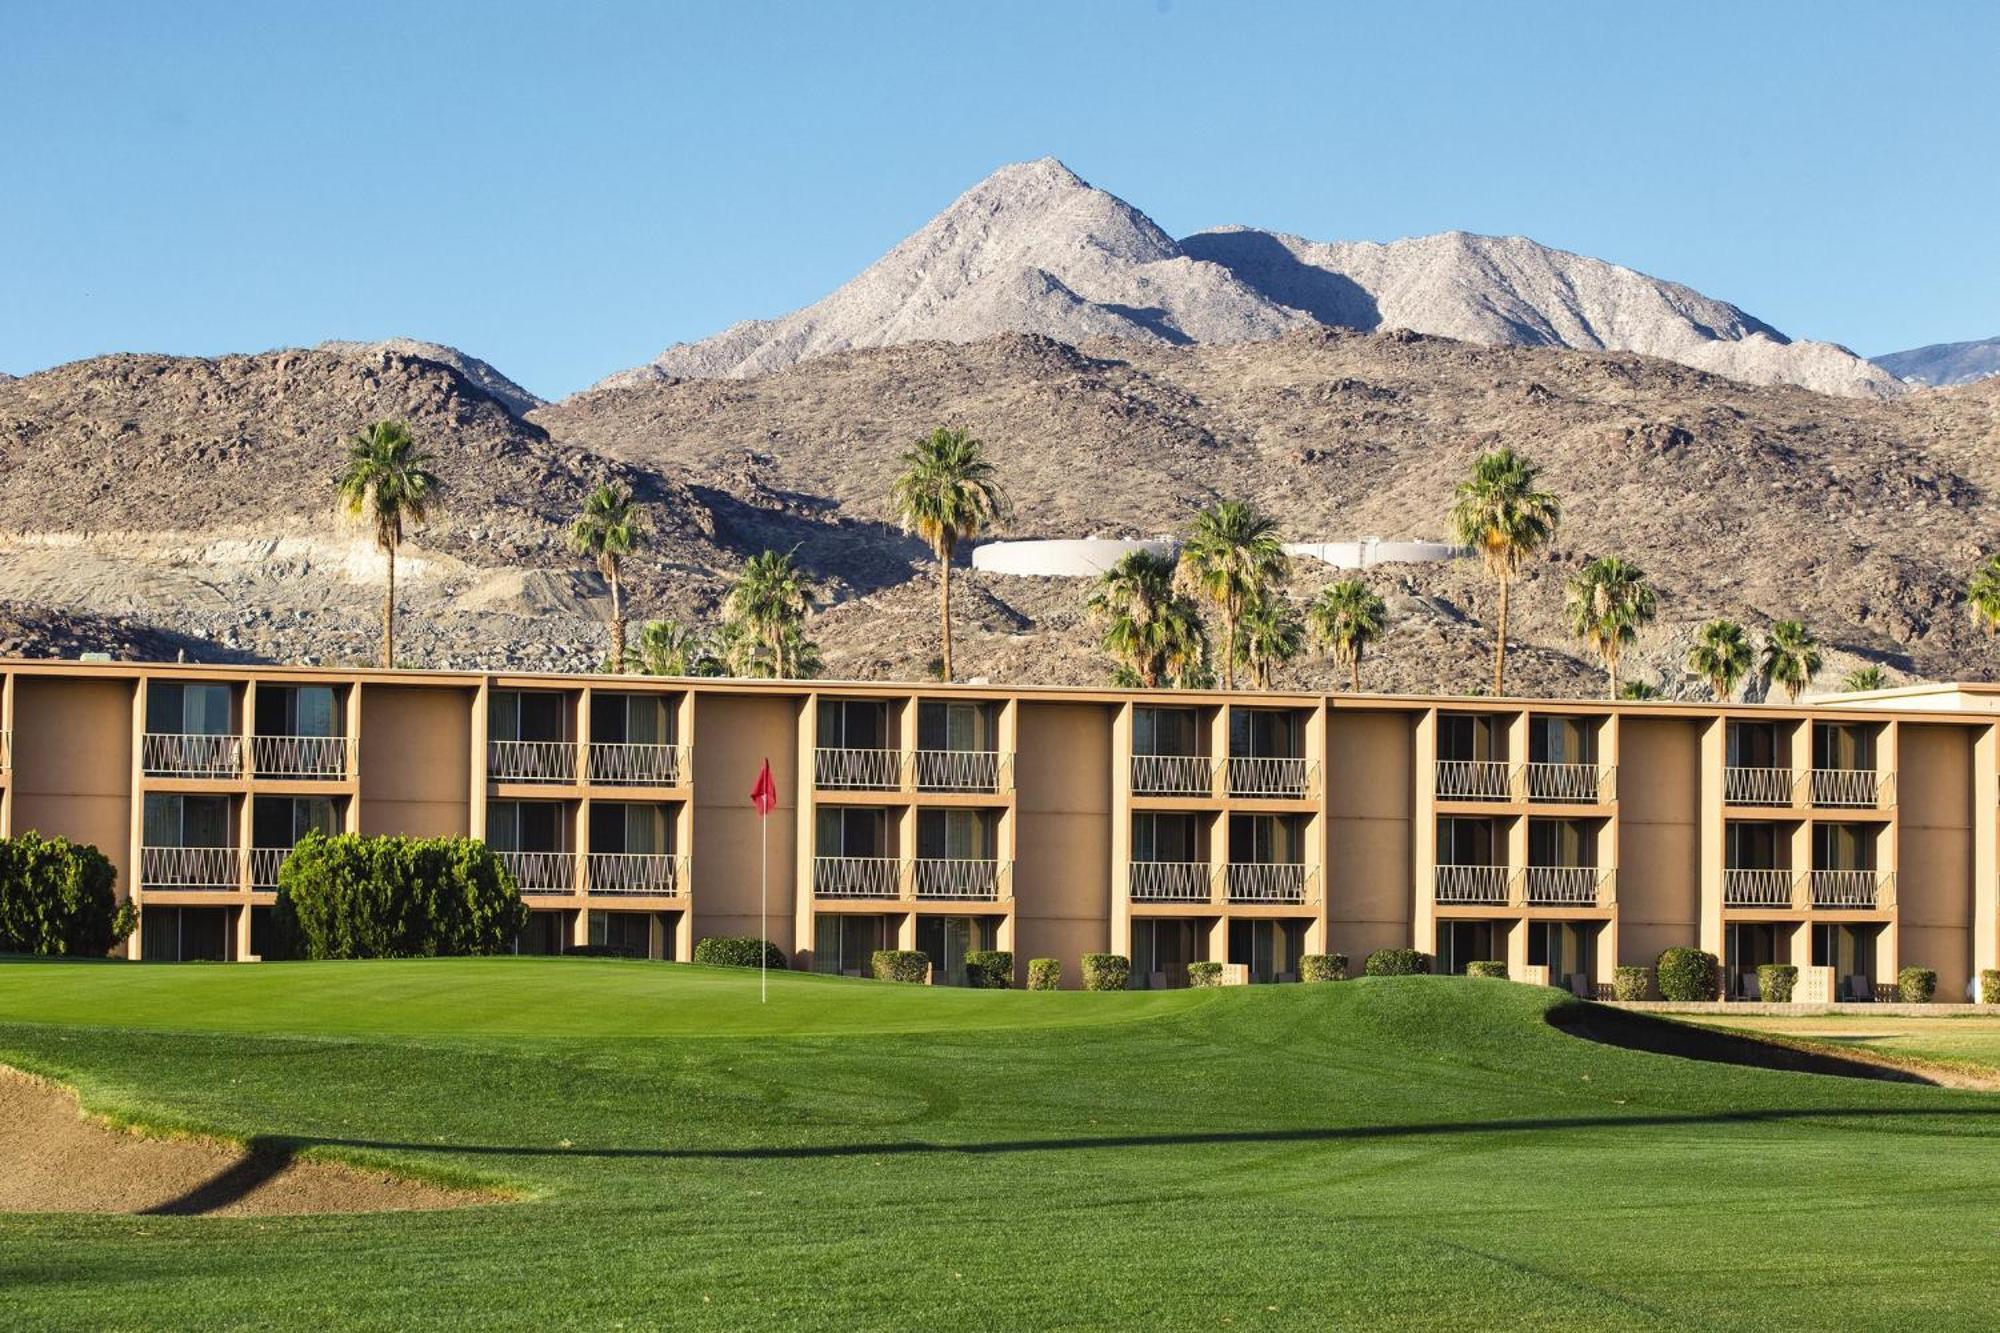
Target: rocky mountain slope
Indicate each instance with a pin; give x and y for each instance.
(489, 380)
(1034, 249)
(1945, 363)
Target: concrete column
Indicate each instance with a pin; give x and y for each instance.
(1319, 826)
(579, 927)
(1889, 849)
(7, 689)
(351, 823)
(1218, 751)
(802, 899)
(1120, 907)
(482, 699)
(1423, 837)
(1515, 948)
(1714, 758)
(241, 919)
(683, 714)
(581, 703)
(1985, 852)
(136, 786)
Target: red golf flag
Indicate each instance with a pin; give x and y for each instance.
(764, 795)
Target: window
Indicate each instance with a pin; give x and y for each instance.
(1562, 842)
(280, 821)
(1756, 745)
(527, 826)
(1162, 949)
(1752, 846)
(184, 709)
(529, 715)
(299, 710)
(175, 820)
(627, 933)
(1166, 731)
(1266, 733)
(956, 725)
(1469, 738)
(1562, 740)
(1839, 745)
(1843, 847)
(851, 831)
(1469, 842)
(1264, 839)
(956, 835)
(633, 828)
(945, 940)
(631, 719)
(1462, 942)
(845, 945)
(1166, 836)
(1269, 950)
(854, 724)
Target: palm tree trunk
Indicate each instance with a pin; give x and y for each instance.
(944, 615)
(1611, 662)
(389, 613)
(1229, 643)
(1354, 672)
(617, 627)
(1500, 645)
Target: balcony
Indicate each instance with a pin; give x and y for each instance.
(1474, 780)
(857, 876)
(1850, 788)
(1271, 778)
(962, 770)
(1171, 881)
(1863, 890)
(1481, 885)
(1269, 881)
(1758, 786)
(532, 761)
(189, 868)
(1567, 886)
(1757, 888)
(1569, 784)
(976, 881)
(858, 770)
(304, 758)
(188, 755)
(626, 764)
(541, 872)
(1173, 775)
(659, 874)
(265, 862)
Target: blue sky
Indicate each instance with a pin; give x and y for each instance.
(565, 189)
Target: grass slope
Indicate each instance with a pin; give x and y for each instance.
(1402, 1152)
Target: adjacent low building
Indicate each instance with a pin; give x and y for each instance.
(1565, 838)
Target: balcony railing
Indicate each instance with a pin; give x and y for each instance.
(975, 880)
(265, 862)
(1863, 889)
(531, 761)
(1757, 888)
(857, 876)
(634, 764)
(305, 757)
(1850, 788)
(542, 872)
(1171, 881)
(1173, 775)
(1569, 784)
(1471, 884)
(1274, 777)
(962, 770)
(1269, 882)
(1566, 886)
(1758, 786)
(190, 868)
(858, 770)
(658, 873)
(185, 755)
(1474, 780)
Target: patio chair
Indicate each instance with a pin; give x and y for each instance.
(1581, 986)
(1857, 989)
(1751, 986)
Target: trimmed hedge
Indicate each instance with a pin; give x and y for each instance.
(1396, 963)
(1989, 986)
(56, 898)
(1323, 967)
(1775, 982)
(1487, 968)
(346, 896)
(1106, 971)
(1045, 974)
(905, 965)
(1631, 983)
(990, 969)
(1203, 975)
(1916, 985)
(1686, 974)
(738, 951)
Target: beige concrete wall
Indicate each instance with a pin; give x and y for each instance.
(1659, 837)
(1934, 876)
(1062, 875)
(416, 773)
(72, 770)
(1371, 777)
(738, 733)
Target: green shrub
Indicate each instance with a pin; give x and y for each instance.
(1916, 985)
(1106, 971)
(1487, 968)
(1323, 967)
(1775, 982)
(346, 896)
(905, 965)
(1630, 983)
(990, 969)
(738, 951)
(1203, 975)
(1045, 974)
(1989, 986)
(1686, 974)
(56, 898)
(1396, 963)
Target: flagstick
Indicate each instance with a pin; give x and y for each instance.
(763, 908)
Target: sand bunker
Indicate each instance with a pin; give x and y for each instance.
(54, 1160)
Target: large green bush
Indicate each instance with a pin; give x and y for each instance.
(1045, 974)
(1487, 968)
(1631, 983)
(346, 896)
(906, 965)
(56, 898)
(990, 969)
(1686, 974)
(1916, 985)
(1106, 971)
(1323, 967)
(738, 951)
(1203, 975)
(1396, 963)
(1775, 982)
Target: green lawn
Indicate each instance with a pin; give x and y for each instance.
(1964, 1041)
(1398, 1152)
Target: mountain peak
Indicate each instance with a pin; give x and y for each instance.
(481, 374)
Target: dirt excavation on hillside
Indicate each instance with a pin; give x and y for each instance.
(54, 1159)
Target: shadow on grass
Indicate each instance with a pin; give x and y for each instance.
(1660, 1036)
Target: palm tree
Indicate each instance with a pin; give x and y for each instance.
(1607, 602)
(1268, 636)
(1865, 678)
(1982, 594)
(1149, 625)
(1234, 558)
(387, 482)
(946, 493)
(1722, 656)
(768, 607)
(1638, 690)
(667, 648)
(611, 527)
(1345, 618)
(1791, 657)
(1498, 512)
